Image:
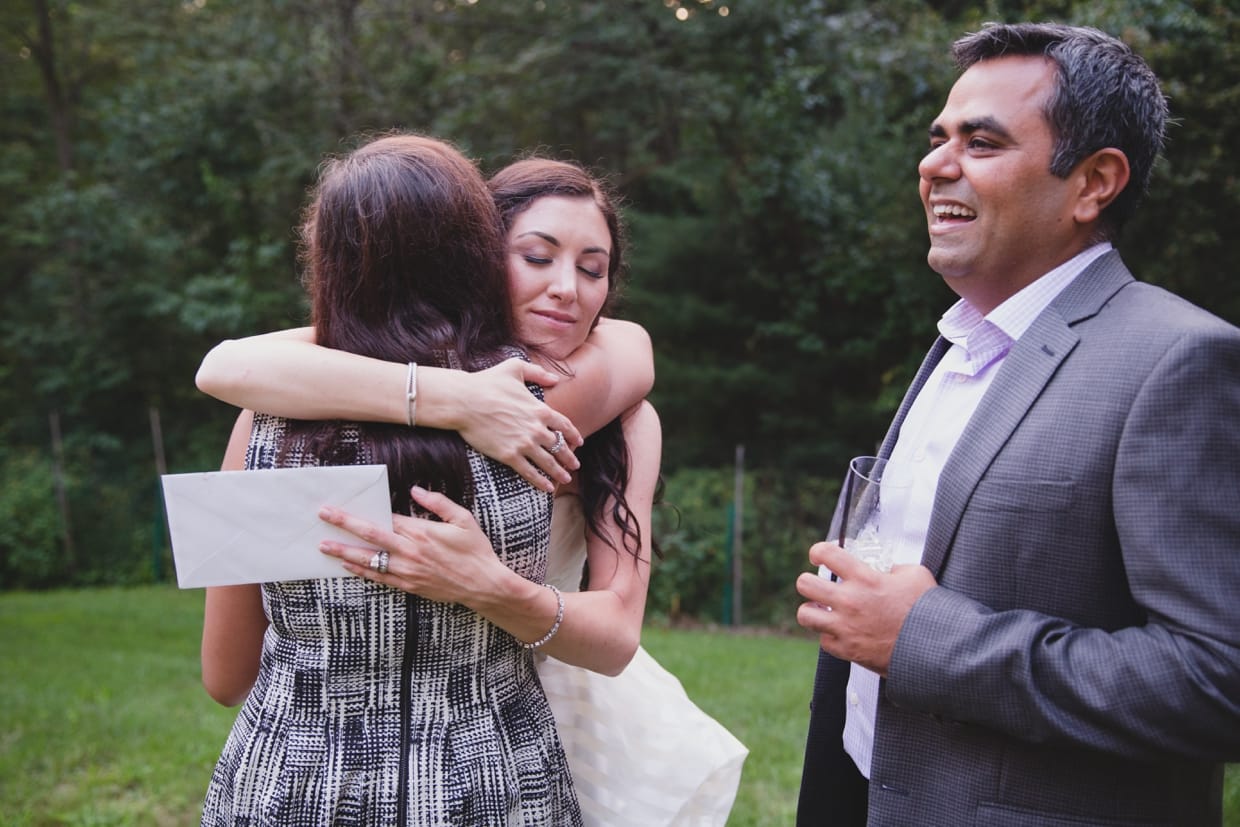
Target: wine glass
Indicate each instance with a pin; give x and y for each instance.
(857, 523)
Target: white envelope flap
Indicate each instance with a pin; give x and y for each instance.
(231, 527)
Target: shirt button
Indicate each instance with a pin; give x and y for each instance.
(854, 699)
(919, 455)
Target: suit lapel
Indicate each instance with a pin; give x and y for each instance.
(1029, 366)
(937, 350)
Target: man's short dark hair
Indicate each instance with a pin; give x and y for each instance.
(1105, 96)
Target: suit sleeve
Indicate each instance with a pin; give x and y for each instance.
(1170, 684)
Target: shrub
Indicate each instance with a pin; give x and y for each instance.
(783, 513)
(30, 531)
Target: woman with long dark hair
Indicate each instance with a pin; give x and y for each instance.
(365, 704)
(672, 764)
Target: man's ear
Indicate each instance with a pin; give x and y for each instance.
(1102, 177)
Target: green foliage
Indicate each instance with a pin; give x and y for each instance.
(691, 527)
(791, 225)
(29, 523)
(157, 156)
(783, 513)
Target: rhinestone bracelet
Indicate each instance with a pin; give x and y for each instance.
(555, 627)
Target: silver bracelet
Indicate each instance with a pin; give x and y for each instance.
(411, 392)
(555, 627)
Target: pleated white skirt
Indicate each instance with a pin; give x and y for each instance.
(642, 754)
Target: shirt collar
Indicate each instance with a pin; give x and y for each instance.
(986, 338)
(1016, 314)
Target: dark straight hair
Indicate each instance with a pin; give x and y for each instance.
(403, 259)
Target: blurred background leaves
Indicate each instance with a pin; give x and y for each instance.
(156, 157)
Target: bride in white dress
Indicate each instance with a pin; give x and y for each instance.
(640, 752)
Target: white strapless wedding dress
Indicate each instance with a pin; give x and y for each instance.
(641, 753)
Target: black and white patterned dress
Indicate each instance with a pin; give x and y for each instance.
(321, 740)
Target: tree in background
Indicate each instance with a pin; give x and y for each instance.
(157, 156)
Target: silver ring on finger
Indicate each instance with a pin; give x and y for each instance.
(559, 443)
(379, 562)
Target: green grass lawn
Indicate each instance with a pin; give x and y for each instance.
(103, 721)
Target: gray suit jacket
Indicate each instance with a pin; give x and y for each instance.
(1079, 661)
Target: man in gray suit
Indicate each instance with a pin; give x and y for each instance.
(1062, 643)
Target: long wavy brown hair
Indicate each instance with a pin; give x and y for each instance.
(604, 456)
(402, 252)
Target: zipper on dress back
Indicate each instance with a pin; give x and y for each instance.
(406, 700)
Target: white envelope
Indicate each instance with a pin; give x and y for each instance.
(231, 527)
